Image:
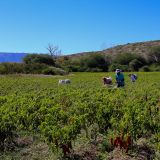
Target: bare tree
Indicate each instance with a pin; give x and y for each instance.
(54, 51)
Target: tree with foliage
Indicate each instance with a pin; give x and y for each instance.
(39, 58)
(96, 61)
(154, 55)
(135, 64)
(124, 58)
(144, 69)
(114, 66)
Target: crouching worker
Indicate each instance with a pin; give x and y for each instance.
(107, 80)
(133, 77)
(119, 78)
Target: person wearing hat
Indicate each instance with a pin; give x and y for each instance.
(119, 78)
(133, 77)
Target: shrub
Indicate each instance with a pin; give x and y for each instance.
(124, 58)
(72, 68)
(54, 71)
(94, 61)
(94, 70)
(60, 71)
(144, 69)
(135, 61)
(2, 69)
(39, 58)
(105, 145)
(135, 64)
(113, 67)
(48, 71)
(154, 55)
(34, 68)
(154, 67)
(10, 68)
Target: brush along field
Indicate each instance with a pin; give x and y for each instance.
(41, 119)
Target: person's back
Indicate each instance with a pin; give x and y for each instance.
(107, 80)
(135, 76)
(133, 79)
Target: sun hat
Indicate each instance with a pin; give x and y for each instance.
(118, 70)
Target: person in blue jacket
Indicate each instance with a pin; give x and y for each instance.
(119, 78)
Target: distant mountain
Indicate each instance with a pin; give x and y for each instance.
(12, 57)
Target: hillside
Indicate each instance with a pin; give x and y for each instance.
(11, 57)
(141, 48)
(140, 56)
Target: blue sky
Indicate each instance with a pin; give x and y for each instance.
(76, 25)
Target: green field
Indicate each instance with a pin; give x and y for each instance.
(85, 114)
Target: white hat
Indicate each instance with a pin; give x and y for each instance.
(118, 70)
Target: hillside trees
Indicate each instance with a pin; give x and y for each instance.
(124, 58)
(154, 55)
(90, 62)
(94, 62)
(135, 64)
(114, 66)
(127, 62)
(97, 61)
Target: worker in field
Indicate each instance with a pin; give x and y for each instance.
(119, 78)
(107, 80)
(133, 77)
